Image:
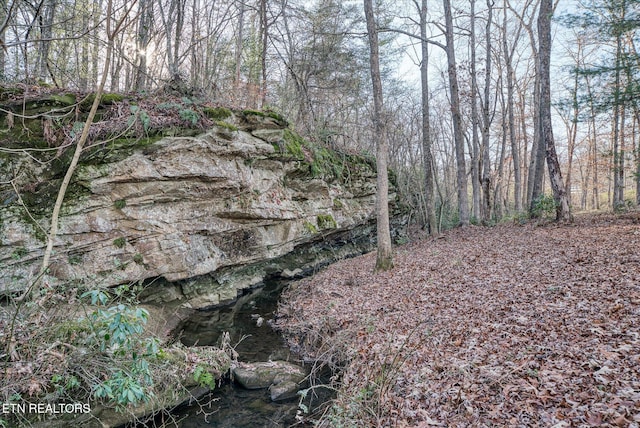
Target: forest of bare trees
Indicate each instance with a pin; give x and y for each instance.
(479, 95)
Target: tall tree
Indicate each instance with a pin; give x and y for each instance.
(427, 155)
(508, 53)
(172, 15)
(384, 259)
(45, 15)
(238, 48)
(145, 20)
(563, 210)
(535, 177)
(486, 120)
(475, 118)
(458, 136)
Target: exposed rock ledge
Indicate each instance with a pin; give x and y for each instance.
(200, 217)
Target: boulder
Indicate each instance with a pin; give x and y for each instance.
(282, 378)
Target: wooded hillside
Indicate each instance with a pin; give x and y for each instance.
(483, 61)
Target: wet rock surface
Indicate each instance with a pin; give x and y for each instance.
(269, 373)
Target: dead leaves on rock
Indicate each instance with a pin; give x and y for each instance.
(512, 326)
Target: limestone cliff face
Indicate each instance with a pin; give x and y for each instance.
(196, 218)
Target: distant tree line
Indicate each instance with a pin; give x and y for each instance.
(470, 127)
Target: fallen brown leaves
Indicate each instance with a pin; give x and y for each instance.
(504, 326)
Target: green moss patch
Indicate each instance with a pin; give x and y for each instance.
(106, 99)
(310, 228)
(326, 221)
(226, 125)
(217, 113)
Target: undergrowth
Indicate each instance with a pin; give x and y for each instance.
(94, 346)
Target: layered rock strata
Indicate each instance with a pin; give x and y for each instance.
(195, 219)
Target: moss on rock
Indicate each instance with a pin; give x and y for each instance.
(217, 113)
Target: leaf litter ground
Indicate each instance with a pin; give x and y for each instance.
(504, 326)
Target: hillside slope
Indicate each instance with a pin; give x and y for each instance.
(505, 326)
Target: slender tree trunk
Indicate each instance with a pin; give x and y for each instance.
(47, 14)
(498, 199)
(144, 28)
(179, 21)
(427, 156)
(4, 22)
(636, 145)
(535, 174)
(563, 210)
(96, 34)
(264, 28)
(486, 121)
(538, 151)
(593, 147)
(239, 44)
(83, 72)
(510, 73)
(573, 130)
(475, 120)
(618, 174)
(385, 257)
(461, 174)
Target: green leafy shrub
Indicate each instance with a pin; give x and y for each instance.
(189, 115)
(118, 332)
(543, 206)
(143, 116)
(204, 377)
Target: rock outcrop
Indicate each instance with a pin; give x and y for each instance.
(195, 219)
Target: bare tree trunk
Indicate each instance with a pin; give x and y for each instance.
(618, 162)
(385, 257)
(145, 20)
(538, 153)
(427, 155)
(573, 131)
(4, 22)
(593, 148)
(563, 210)
(83, 72)
(498, 199)
(264, 28)
(636, 145)
(173, 21)
(179, 20)
(96, 34)
(461, 175)
(45, 22)
(475, 120)
(486, 122)
(515, 152)
(239, 43)
(535, 174)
